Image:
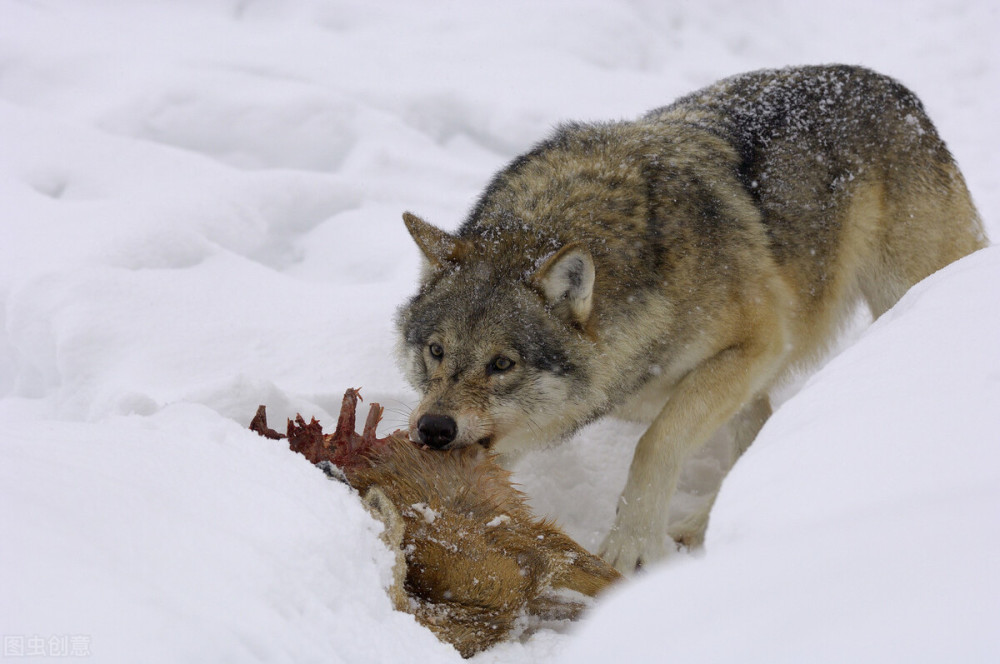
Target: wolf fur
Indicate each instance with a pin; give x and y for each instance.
(672, 269)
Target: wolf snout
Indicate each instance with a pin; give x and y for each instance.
(437, 431)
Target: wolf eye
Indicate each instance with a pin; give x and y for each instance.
(437, 350)
(501, 364)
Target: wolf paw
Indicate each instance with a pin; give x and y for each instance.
(690, 533)
(627, 551)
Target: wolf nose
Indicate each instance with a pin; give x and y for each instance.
(436, 430)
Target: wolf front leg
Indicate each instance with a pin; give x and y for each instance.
(737, 433)
(704, 400)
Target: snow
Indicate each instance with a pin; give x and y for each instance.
(201, 213)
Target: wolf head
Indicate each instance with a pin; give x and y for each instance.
(496, 337)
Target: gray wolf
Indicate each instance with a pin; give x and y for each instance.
(674, 268)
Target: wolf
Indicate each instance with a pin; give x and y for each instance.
(675, 268)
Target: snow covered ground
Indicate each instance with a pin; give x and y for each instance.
(200, 204)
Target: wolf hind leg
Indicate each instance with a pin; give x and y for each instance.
(921, 229)
(739, 432)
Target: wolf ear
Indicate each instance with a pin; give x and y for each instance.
(438, 247)
(567, 280)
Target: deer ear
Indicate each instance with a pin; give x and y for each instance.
(438, 247)
(567, 281)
